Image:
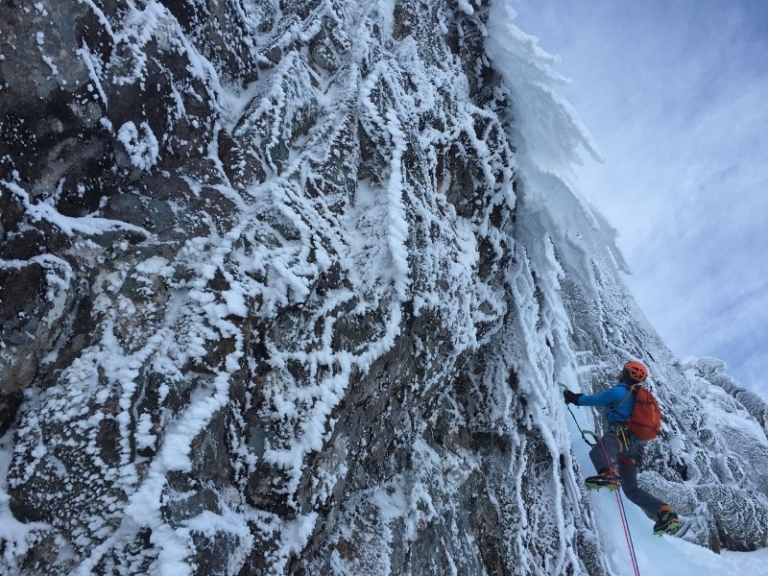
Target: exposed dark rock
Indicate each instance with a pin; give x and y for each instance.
(273, 300)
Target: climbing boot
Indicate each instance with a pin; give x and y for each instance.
(606, 477)
(668, 522)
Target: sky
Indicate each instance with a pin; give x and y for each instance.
(675, 94)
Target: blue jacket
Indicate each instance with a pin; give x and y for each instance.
(610, 399)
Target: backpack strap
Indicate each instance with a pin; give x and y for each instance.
(625, 438)
(632, 388)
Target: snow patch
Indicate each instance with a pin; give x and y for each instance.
(140, 143)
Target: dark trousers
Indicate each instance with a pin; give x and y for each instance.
(623, 459)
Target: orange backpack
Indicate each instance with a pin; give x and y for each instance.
(645, 422)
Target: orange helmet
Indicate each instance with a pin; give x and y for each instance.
(636, 370)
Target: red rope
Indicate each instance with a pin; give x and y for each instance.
(627, 535)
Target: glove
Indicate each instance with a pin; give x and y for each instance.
(572, 397)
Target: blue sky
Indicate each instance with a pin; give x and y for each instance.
(675, 93)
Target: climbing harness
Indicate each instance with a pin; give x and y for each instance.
(622, 435)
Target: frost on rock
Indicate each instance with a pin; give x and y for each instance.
(140, 144)
(287, 288)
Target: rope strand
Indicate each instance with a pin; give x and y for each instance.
(620, 502)
(583, 432)
(622, 512)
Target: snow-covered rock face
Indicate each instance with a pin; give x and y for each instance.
(287, 287)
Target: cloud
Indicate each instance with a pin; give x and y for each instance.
(674, 95)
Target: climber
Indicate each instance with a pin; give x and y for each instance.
(617, 455)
